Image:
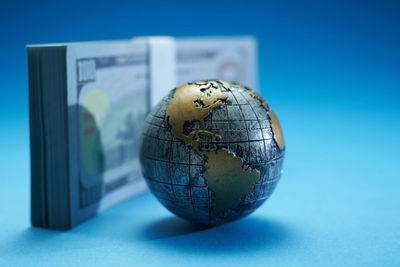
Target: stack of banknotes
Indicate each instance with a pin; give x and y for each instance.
(87, 105)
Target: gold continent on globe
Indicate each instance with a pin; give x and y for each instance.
(212, 151)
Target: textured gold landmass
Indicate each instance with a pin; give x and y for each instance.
(192, 102)
(276, 128)
(229, 179)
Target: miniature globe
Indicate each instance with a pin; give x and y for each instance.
(212, 151)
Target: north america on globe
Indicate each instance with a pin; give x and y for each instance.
(212, 151)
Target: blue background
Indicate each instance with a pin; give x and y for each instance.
(329, 69)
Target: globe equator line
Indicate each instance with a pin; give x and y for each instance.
(215, 129)
(215, 120)
(199, 165)
(214, 143)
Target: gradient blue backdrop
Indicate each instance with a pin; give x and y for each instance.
(330, 70)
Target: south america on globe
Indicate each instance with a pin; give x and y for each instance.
(212, 151)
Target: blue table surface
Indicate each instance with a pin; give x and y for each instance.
(337, 203)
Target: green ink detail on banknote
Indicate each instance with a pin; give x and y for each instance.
(93, 109)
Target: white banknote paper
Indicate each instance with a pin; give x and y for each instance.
(108, 99)
(176, 61)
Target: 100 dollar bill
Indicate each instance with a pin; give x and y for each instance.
(108, 99)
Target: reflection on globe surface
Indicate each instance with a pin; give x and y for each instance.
(212, 151)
